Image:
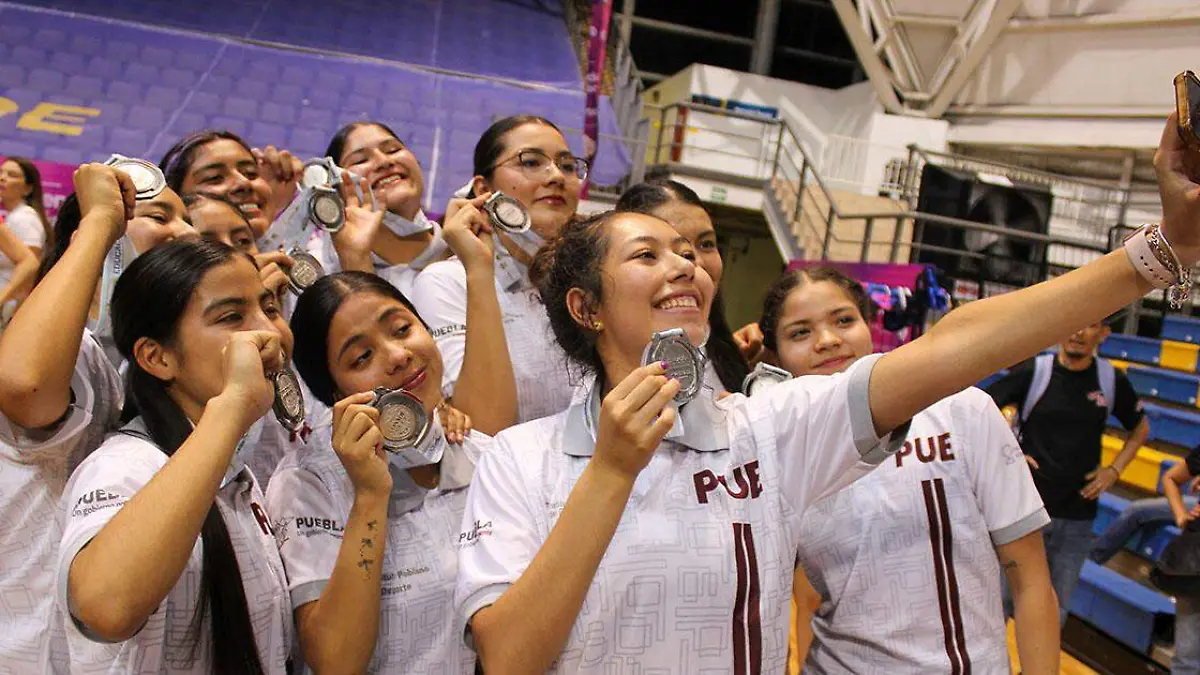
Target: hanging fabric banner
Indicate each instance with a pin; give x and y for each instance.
(601, 13)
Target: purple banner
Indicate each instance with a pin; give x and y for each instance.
(601, 13)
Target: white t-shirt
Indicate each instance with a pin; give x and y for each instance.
(272, 442)
(544, 383)
(698, 575)
(309, 500)
(34, 468)
(98, 489)
(25, 223)
(905, 559)
(402, 276)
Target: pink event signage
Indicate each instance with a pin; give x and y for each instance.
(601, 13)
(56, 184)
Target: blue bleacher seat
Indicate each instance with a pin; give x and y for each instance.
(1181, 329)
(1132, 348)
(1168, 385)
(1118, 606)
(1181, 427)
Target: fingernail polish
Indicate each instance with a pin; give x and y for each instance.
(664, 364)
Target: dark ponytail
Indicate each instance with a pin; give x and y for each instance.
(778, 292)
(164, 278)
(65, 225)
(726, 358)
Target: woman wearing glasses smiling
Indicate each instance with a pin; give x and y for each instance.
(526, 158)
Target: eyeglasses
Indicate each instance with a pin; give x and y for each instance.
(537, 163)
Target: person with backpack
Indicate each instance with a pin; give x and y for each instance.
(1061, 404)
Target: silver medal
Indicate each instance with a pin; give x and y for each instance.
(148, 179)
(506, 213)
(684, 362)
(326, 209)
(305, 271)
(408, 432)
(763, 377)
(289, 400)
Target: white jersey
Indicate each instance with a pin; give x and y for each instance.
(544, 383)
(905, 559)
(698, 575)
(167, 642)
(34, 468)
(25, 223)
(309, 500)
(402, 276)
(271, 442)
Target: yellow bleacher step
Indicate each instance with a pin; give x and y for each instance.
(1143, 471)
(1179, 356)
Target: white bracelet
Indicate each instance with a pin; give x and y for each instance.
(1137, 247)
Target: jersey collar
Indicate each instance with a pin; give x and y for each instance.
(701, 425)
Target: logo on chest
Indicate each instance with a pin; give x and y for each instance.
(1097, 397)
(743, 483)
(926, 450)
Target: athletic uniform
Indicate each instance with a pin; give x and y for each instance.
(168, 641)
(905, 559)
(698, 575)
(34, 468)
(310, 499)
(544, 384)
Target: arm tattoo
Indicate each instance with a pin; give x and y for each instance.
(372, 526)
(1009, 566)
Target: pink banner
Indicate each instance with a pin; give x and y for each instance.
(601, 13)
(56, 184)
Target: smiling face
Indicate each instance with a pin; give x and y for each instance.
(376, 341)
(229, 298)
(821, 330)
(157, 221)
(389, 167)
(550, 196)
(225, 168)
(218, 221)
(650, 283)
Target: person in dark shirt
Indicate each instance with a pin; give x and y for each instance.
(1062, 440)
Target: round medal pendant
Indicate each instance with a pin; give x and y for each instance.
(507, 213)
(325, 209)
(317, 173)
(148, 179)
(289, 400)
(305, 271)
(763, 377)
(684, 362)
(402, 419)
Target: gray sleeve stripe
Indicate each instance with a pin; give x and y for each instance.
(871, 448)
(1030, 523)
(306, 593)
(476, 601)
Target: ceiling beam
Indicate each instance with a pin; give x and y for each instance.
(874, 66)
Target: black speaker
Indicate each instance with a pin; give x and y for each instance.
(995, 200)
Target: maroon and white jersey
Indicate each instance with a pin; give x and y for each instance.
(698, 576)
(905, 559)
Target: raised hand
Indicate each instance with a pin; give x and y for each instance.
(456, 423)
(359, 444)
(247, 358)
(1178, 169)
(468, 232)
(363, 219)
(749, 341)
(273, 269)
(634, 418)
(107, 197)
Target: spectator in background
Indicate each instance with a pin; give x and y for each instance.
(958, 453)
(528, 159)
(26, 224)
(1061, 432)
(680, 206)
(1141, 515)
(1186, 660)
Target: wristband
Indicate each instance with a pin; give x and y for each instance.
(1152, 256)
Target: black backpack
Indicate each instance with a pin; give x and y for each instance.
(1178, 568)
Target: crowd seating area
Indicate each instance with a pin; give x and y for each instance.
(148, 86)
(1165, 374)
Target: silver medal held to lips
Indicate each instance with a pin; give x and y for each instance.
(289, 400)
(305, 271)
(409, 435)
(506, 213)
(684, 361)
(763, 377)
(148, 179)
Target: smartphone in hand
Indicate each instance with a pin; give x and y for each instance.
(1187, 103)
